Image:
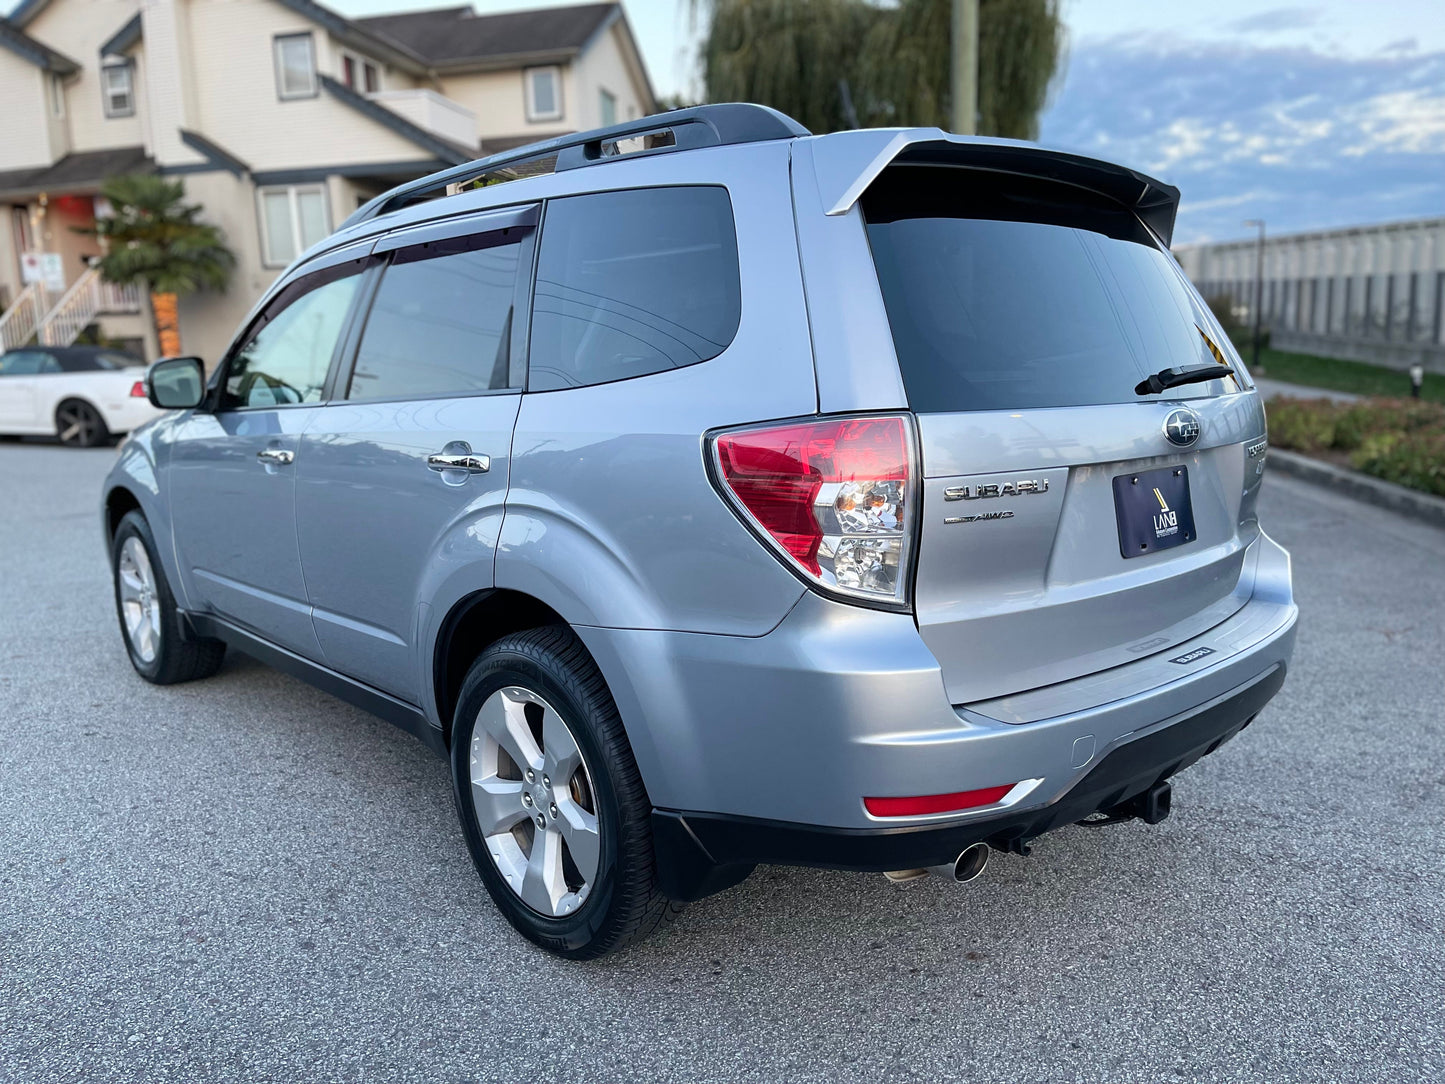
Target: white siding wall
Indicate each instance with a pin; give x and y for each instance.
(239, 108)
(24, 131)
(499, 103)
(77, 28)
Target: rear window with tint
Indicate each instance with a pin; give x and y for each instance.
(1011, 293)
(631, 283)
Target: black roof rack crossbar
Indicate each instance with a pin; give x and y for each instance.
(698, 126)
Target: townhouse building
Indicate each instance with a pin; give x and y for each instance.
(281, 117)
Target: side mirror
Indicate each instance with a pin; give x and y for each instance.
(176, 383)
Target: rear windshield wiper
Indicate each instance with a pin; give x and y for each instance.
(1172, 378)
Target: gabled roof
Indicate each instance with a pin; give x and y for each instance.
(42, 56)
(459, 37)
(85, 169)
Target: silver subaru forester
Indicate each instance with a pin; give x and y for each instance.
(712, 493)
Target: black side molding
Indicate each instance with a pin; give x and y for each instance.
(398, 712)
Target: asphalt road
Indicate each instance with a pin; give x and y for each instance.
(246, 880)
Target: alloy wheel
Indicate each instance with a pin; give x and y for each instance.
(534, 802)
(140, 606)
(78, 425)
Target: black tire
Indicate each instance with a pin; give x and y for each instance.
(624, 903)
(177, 654)
(79, 425)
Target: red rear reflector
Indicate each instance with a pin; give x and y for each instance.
(138, 390)
(935, 803)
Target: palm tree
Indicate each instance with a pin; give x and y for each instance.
(153, 237)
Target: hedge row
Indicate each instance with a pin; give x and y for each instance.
(1399, 440)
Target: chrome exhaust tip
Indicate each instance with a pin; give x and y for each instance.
(971, 863)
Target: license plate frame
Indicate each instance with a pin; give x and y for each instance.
(1153, 510)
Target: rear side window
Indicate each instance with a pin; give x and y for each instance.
(441, 323)
(632, 283)
(1005, 292)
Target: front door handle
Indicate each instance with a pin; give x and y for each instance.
(277, 456)
(469, 462)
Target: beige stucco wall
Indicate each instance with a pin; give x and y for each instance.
(78, 28)
(209, 319)
(604, 67)
(237, 102)
(24, 132)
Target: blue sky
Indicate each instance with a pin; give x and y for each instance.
(1308, 115)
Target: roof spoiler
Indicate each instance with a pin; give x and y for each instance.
(846, 163)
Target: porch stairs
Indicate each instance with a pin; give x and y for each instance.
(33, 317)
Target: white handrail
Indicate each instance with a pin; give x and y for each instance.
(20, 320)
(75, 309)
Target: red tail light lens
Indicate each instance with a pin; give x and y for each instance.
(925, 804)
(138, 390)
(832, 495)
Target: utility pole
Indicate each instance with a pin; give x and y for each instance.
(965, 66)
(1258, 287)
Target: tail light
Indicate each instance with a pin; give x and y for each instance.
(833, 497)
(138, 390)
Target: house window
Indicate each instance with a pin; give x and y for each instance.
(544, 93)
(117, 87)
(295, 66)
(360, 74)
(57, 96)
(293, 219)
(607, 102)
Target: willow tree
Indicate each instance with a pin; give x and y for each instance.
(154, 238)
(894, 61)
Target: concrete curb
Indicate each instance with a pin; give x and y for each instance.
(1408, 502)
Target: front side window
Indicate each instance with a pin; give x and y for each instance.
(117, 85)
(295, 66)
(632, 283)
(293, 219)
(442, 320)
(544, 93)
(286, 357)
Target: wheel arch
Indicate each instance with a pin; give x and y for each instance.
(473, 624)
(119, 502)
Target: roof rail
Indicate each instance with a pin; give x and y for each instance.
(698, 126)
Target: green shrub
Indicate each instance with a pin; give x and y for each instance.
(1355, 423)
(1306, 425)
(1415, 459)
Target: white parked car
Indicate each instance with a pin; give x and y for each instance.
(82, 394)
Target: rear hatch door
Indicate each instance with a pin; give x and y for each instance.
(1069, 524)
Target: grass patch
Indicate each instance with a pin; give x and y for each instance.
(1337, 375)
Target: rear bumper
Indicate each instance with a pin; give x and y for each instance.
(702, 853)
(762, 749)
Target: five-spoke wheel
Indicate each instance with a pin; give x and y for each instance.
(79, 425)
(140, 609)
(551, 802)
(534, 802)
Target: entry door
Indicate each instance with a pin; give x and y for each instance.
(401, 481)
(233, 468)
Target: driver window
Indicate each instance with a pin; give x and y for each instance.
(286, 359)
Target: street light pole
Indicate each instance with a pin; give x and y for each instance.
(965, 66)
(1258, 287)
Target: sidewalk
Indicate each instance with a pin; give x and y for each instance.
(1270, 388)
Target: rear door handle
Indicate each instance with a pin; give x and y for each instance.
(279, 456)
(469, 462)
